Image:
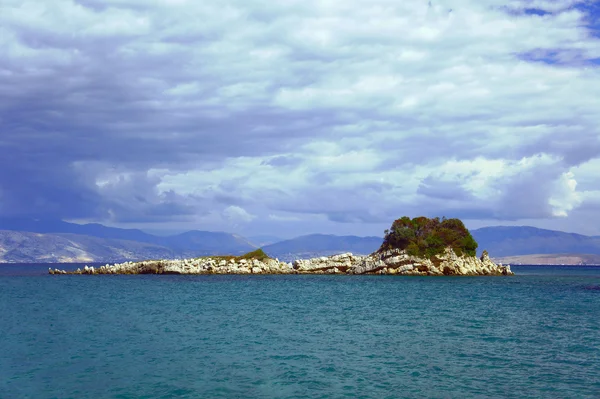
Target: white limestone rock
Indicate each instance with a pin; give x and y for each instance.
(395, 262)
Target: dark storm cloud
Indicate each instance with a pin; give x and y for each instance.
(99, 109)
(55, 190)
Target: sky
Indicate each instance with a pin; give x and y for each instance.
(300, 116)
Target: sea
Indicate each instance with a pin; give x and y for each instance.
(534, 335)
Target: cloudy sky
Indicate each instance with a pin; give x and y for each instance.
(297, 116)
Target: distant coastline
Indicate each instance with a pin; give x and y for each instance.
(551, 260)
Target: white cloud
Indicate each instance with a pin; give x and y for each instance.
(354, 111)
(237, 214)
(566, 197)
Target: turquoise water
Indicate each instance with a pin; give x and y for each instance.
(535, 335)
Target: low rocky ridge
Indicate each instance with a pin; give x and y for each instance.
(393, 262)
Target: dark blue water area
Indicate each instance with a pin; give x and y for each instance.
(534, 335)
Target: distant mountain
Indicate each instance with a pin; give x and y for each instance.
(322, 245)
(24, 247)
(263, 240)
(131, 243)
(501, 241)
(90, 229)
(29, 240)
(207, 243)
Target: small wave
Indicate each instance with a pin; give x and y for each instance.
(592, 288)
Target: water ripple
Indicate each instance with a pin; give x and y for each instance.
(527, 336)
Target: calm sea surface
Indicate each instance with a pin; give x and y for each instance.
(535, 335)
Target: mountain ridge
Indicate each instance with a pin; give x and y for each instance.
(59, 241)
(189, 243)
(25, 247)
(503, 241)
(312, 245)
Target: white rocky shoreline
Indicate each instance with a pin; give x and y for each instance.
(390, 262)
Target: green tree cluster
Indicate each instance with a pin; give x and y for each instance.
(426, 237)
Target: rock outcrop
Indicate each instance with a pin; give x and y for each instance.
(399, 262)
(393, 262)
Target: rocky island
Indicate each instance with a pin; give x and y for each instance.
(419, 247)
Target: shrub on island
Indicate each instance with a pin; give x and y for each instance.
(424, 237)
(258, 254)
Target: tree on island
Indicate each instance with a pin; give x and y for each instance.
(424, 237)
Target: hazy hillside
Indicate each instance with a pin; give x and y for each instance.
(500, 241)
(264, 240)
(207, 241)
(507, 241)
(322, 245)
(25, 247)
(90, 229)
(134, 244)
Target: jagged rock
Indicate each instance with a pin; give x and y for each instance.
(342, 263)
